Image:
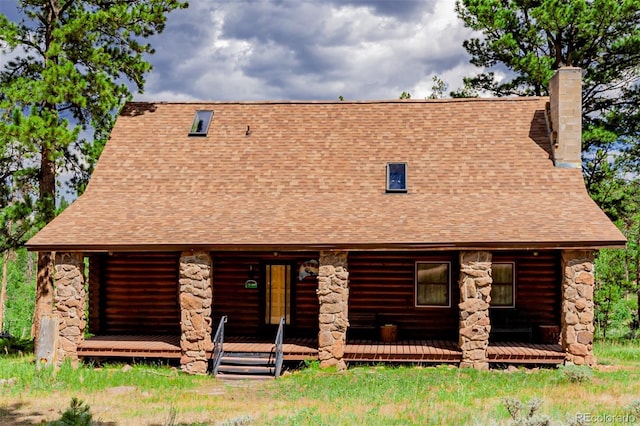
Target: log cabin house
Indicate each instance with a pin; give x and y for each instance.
(464, 224)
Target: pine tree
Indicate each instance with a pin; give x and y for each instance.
(70, 59)
(524, 41)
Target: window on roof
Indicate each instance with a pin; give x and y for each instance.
(397, 177)
(201, 121)
(502, 288)
(433, 284)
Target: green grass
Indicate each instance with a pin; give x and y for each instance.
(85, 378)
(626, 352)
(367, 395)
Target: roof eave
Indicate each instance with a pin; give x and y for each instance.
(438, 246)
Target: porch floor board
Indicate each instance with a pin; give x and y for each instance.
(525, 353)
(402, 351)
(300, 349)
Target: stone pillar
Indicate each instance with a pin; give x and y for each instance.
(577, 306)
(475, 289)
(69, 304)
(196, 297)
(333, 296)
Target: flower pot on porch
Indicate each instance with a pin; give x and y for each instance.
(388, 333)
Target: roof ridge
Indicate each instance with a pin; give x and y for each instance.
(338, 102)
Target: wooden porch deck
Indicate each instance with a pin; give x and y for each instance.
(299, 349)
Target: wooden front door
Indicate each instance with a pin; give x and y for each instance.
(277, 293)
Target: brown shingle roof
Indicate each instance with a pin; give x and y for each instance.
(312, 174)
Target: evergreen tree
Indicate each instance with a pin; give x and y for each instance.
(524, 41)
(69, 62)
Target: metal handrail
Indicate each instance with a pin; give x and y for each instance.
(278, 347)
(218, 343)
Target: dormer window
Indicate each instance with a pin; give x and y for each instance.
(201, 121)
(397, 177)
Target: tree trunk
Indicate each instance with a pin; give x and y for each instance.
(44, 280)
(637, 254)
(3, 290)
(44, 291)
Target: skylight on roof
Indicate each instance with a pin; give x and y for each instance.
(201, 121)
(397, 177)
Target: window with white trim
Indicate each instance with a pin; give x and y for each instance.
(433, 284)
(503, 286)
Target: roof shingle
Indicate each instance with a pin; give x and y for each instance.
(312, 174)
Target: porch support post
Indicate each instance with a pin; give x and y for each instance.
(69, 304)
(475, 289)
(333, 296)
(577, 306)
(196, 298)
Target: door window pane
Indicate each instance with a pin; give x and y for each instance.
(278, 294)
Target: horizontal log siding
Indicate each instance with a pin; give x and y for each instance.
(95, 263)
(537, 285)
(139, 294)
(244, 307)
(384, 283)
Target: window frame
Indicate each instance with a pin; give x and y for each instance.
(513, 286)
(206, 123)
(415, 283)
(406, 175)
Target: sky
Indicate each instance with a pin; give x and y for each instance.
(304, 50)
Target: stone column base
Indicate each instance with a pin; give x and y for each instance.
(475, 288)
(333, 296)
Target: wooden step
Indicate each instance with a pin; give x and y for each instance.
(246, 369)
(244, 360)
(223, 376)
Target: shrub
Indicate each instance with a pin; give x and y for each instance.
(525, 415)
(76, 415)
(634, 408)
(577, 373)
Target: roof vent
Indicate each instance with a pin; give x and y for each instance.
(201, 122)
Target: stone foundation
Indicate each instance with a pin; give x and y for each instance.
(195, 304)
(475, 289)
(333, 296)
(69, 304)
(577, 306)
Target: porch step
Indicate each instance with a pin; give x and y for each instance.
(243, 366)
(223, 376)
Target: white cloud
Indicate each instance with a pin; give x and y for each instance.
(304, 49)
(281, 49)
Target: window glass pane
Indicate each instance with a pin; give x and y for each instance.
(432, 284)
(501, 295)
(433, 294)
(433, 273)
(503, 283)
(201, 122)
(502, 273)
(397, 176)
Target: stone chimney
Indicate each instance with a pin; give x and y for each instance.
(565, 113)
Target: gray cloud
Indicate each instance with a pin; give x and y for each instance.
(305, 49)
